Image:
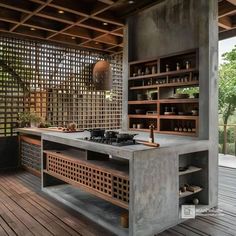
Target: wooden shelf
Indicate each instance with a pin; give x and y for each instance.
(179, 100)
(178, 84)
(144, 87)
(143, 102)
(142, 130)
(179, 133)
(188, 193)
(178, 117)
(143, 116)
(191, 169)
(163, 74)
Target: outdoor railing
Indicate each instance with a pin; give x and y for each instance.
(227, 139)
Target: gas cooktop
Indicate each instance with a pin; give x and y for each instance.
(111, 137)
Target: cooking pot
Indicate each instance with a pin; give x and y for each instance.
(97, 132)
(111, 134)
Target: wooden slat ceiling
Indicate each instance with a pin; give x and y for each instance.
(93, 24)
(227, 18)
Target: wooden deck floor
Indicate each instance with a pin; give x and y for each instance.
(25, 210)
(222, 225)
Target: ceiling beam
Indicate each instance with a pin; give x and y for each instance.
(225, 22)
(226, 8)
(232, 2)
(27, 17)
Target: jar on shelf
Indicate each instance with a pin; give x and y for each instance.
(167, 68)
(154, 70)
(147, 71)
(187, 65)
(139, 71)
(177, 66)
(150, 82)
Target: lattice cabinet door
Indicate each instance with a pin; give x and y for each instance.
(100, 181)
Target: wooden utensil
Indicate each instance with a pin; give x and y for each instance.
(148, 143)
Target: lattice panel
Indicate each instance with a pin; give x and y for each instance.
(97, 179)
(56, 83)
(120, 189)
(31, 155)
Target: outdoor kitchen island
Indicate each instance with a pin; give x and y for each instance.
(106, 182)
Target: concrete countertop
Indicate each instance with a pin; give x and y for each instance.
(32, 131)
(77, 140)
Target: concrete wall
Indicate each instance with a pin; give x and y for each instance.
(173, 26)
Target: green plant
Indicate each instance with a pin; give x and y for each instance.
(26, 118)
(35, 118)
(227, 85)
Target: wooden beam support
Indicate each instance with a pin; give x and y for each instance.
(226, 8)
(30, 15)
(232, 2)
(225, 22)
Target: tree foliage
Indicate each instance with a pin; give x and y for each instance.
(227, 85)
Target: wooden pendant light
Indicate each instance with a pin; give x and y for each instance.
(102, 75)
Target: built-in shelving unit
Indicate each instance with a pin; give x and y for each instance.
(156, 87)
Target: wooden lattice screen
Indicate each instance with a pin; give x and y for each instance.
(55, 82)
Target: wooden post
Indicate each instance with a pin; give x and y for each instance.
(225, 139)
(235, 140)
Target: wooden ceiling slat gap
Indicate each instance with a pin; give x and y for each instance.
(30, 15)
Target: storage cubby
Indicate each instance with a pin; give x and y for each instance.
(178, 126)
(179, 109)
(144, 95)
(143, 68)
(142, 124)
(194, 172)
(183, 61)
(174, 92)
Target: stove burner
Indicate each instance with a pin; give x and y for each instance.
(113, 138)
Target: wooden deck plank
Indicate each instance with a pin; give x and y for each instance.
(22, 203)
(19, 188)
(50, 224)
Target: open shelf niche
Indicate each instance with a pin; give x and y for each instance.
(195, 174)
(157, 94)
